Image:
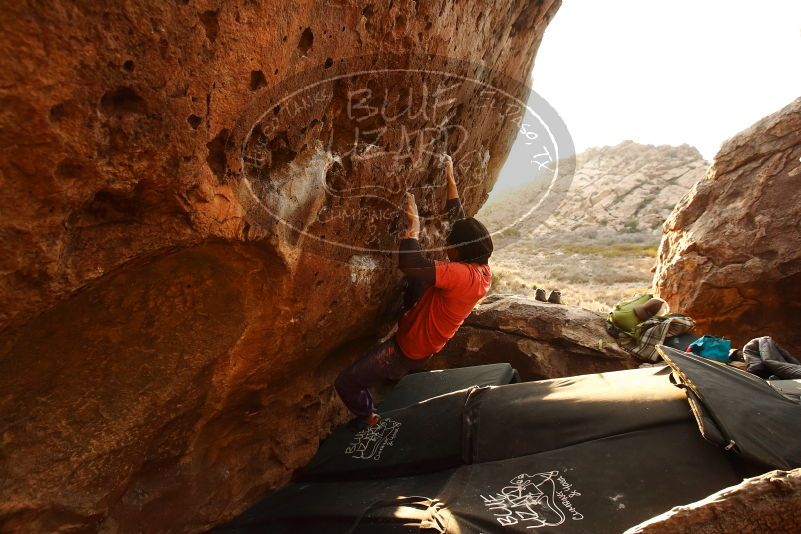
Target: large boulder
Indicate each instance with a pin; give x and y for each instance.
(767, 503)
(731, 252)
(540, 340)
(172, 314)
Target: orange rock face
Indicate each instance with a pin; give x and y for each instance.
(178, 287)
(731, 253)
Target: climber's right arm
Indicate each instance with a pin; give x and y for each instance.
(453, 205)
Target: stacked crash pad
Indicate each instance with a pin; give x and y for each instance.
(418, 387)
(593, 453)
(444, 397)
(740, 411)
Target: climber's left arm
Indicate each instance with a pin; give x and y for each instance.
(411, 259)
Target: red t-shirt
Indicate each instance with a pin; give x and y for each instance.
(442, 308)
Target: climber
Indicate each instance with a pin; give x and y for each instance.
(444, 295)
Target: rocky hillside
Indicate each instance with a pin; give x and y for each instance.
(193, 245)
(627, 188)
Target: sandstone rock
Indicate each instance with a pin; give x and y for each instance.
(731, 252)
(767, 503)
(540, 340)
(166, 346)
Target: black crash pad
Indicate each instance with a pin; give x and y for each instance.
(604, 485)
(739, 410)
(427, 436)
(596, 453)
(551, 414)
(464, 427)
(418, 387)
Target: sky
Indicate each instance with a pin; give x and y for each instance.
(666, 72)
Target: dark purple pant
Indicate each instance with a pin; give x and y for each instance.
(383, 362)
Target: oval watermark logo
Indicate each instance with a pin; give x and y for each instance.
(324, 159)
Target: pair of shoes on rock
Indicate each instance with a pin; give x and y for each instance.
(554, 298)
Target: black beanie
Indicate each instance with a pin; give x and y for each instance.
(472, 240)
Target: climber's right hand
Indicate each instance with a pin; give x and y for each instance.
(412, 218)
(448, 166)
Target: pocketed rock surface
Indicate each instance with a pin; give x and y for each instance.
(540, 340)
(731, 252)
(166, 349)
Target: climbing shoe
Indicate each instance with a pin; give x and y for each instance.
(357, 424)
(541, 295)
(555, 297)
(373, 419)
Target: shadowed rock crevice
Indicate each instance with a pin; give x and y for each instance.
(305, 42)
(211, 24)
(217, 159)
(257, 80)
(122, 100)
(194, 121)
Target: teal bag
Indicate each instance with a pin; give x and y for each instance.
(711, 347)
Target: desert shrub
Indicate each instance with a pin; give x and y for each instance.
(497, 277)
(496, 282)
(631, 227)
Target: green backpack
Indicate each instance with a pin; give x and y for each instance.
(622, 315)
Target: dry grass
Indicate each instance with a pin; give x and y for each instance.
(611, 251)
(592, 276)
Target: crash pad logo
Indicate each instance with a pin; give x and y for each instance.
(369, 443)
(534, 501)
